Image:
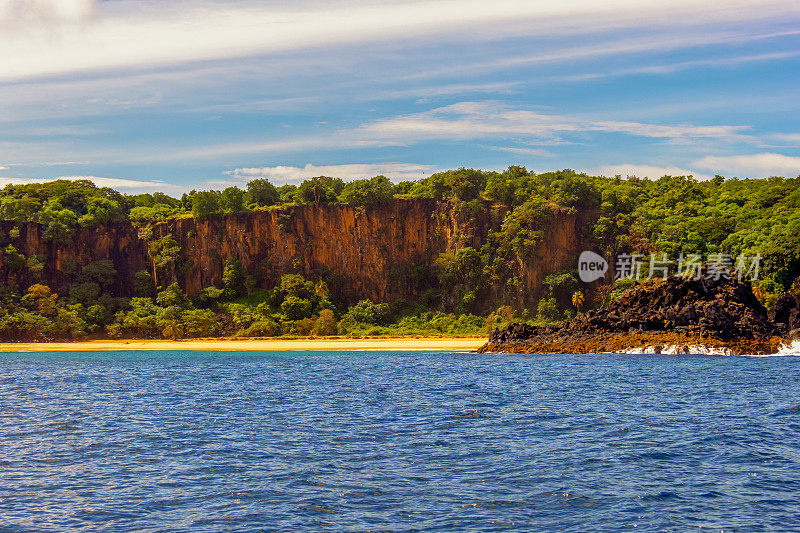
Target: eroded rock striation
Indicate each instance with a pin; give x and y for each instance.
(374, 251)
(676, 314)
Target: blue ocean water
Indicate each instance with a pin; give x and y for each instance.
(382, 441)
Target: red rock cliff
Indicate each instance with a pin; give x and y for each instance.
(372, 249)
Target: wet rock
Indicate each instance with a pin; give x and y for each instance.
(786, 311)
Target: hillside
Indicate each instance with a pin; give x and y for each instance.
(456, 252)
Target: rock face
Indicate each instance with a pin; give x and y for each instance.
(717, 313)
(786, 314)
(374, 251)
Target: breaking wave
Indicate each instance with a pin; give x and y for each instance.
(791, 349)
(679, 350)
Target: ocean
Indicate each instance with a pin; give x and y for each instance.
(397, 441)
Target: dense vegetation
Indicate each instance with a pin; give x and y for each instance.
(466, 291)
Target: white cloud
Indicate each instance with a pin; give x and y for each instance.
(116, 183)
(342, 140)
(474, 120)
(539, 152)
(289, 174)
(644, 171)
(525, 131)
(45, 11)
(754, 165)
(676, 38)
(69, 36)
(460, 122)
(671, 68)
(792, 139)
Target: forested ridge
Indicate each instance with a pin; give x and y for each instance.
(466, 289)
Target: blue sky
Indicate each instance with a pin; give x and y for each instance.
(162, 95)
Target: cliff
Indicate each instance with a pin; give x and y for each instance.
(373, 251)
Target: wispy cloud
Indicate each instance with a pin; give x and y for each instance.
(538, 152)
(476, 120)
(466, 121)
(753, 165)
(68, 36)
(289, 174)
(677, 38)
(644, 171)
(116, 183)
(671, 68)
(792, 139)
(520, 129)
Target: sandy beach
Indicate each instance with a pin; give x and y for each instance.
(382, 343)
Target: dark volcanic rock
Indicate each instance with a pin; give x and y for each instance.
(720, 312)
(786, 312)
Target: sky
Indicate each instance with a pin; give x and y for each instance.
(177, 95)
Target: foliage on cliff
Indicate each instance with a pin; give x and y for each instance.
(504, 217)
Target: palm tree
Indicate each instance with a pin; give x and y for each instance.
(577, 300)
(173, 330)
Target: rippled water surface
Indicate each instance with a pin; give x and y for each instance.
(202, 441)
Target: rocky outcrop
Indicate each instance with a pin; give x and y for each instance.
(785, 314)
(676, 312)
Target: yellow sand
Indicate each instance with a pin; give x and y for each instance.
(381, 343)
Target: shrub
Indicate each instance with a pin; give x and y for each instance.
(326, 323)
(143, 283)
(548, 309)
(295, 308)
(172, 296)
(199, 322)
(368, 312)
(85, 293)
(263, 328)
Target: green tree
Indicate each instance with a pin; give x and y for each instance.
(85, 293)
(288, 193)
(199, 322)
(262, 193)
(205, 204)
(367, 192)
(294, 308)
(232, 200)
(58, 224)
(173, 296)
(143, 283)
(13, 259)
(368, 312)
(101, 272)
(233, 276)
(296, 285)
(164, 252)
(20, 210)
(321, 190)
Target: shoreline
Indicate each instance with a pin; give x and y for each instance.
(639, 342)
(269, 345)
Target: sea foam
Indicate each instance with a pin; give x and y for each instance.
(672, 349)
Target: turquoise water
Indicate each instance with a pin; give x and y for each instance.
(201, 441)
